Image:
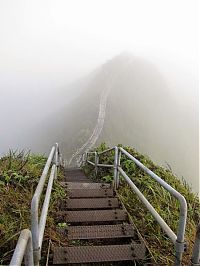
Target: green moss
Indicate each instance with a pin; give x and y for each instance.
(163, 202)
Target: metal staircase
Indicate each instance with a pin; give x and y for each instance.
(98, 222)
(97, 219)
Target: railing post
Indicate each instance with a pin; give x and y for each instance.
(180, 245)
(29, 252)
(96, 163)
(60, 160)
(24, 249)
(196, 249)
(57, 159)
(116, 167)
(35, 230)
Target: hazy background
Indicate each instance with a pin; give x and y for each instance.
(50, 51)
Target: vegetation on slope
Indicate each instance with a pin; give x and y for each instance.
(19, 176)
(167, 206)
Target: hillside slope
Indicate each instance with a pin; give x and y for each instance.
(141, 111)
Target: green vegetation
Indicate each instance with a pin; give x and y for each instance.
(19, 175)
(167, 206)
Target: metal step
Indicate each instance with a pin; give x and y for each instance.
(92, 203)
(89, 254)
(73, 170)
(101, 231)
(73, 185)
(91, 193)
(76, 173)
(77, 179)
(95, 216)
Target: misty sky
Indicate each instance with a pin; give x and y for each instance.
(47, 45)
(54, 42)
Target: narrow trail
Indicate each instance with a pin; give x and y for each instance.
(75, 159)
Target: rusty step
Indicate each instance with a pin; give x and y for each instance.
(89, 254)
(91, 203)
(94, 216)
(101, 231)
(75, 174)
(76, 179)
(73, 185)
(91, 193)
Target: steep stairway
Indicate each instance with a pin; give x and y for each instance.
(99, 229)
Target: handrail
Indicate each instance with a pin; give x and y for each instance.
(30, 242)
(105, 151)
(24, 249)
(38, 225)
(178, 240)
(159, 219)
(173, 192)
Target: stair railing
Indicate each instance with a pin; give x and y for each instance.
(178, 240)
(24, 249)
(30, 242)
(38, 224)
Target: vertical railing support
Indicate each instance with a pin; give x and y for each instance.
(24, 249)
(116, 167)
(96, 163)
(180, 245)
(196, 249)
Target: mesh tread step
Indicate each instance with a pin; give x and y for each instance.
(92, 203)
(94, 216)
(77, 179)
(101, 231)
(87, 254)
(73, 185)
(74, 170)
(74, 175)
(91, 193)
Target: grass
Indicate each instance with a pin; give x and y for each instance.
(19, 176)
(167, 206)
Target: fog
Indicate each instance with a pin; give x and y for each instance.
(51, 56)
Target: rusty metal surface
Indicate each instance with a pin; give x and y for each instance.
(75, 175)
(91, 203)
(95, 216)
(87, 254)
(101, 231)
(76, 179)
(73, 171)
(91, 193)
(73, 185)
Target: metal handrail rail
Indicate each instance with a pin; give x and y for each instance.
(24, 249)
(107, 150)
(30, 242)
(178, 240)
(183, 204)
(38, 224)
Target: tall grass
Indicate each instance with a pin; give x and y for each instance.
(19, 175)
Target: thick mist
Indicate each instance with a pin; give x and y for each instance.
(56, 57)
